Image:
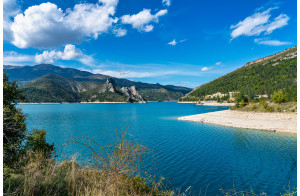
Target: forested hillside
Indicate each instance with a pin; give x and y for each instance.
(264, 76)
(49, 83)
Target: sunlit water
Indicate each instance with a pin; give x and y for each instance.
(204, 156)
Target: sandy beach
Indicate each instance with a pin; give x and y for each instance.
(214, 103)
(277, 122)
(210, 103)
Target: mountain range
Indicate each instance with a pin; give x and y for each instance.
(50, 83)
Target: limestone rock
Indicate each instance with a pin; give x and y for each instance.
(132, 93)
(109, 85)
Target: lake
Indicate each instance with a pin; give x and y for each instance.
(204, 156)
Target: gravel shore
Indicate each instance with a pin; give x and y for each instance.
(210, 103)
(277, 122)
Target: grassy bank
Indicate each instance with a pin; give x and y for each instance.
(114, 170)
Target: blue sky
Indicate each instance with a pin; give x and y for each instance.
(185, 43)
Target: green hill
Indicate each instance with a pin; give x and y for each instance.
(74, 83)
(263, 76)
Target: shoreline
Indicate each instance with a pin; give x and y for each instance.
(89, 102)
(64, 103)
(274, 122)
(210, 103)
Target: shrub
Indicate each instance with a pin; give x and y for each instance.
(279, 97)
(242, 103)
(36, 142)
(264, 104)
(218, 99)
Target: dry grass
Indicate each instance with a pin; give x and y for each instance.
(115, 171)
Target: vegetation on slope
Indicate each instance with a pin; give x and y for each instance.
(51, 93)
(55, 88)
(27, 75)
(265, 76)
(93, 95)
(160, 94)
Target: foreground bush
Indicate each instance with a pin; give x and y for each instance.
(114, 171)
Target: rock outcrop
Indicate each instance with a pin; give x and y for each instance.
(109, 85)
(132, 93)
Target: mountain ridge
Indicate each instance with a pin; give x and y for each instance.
(31, 78)
(27, 73)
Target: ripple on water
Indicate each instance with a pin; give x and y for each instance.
(204, 156)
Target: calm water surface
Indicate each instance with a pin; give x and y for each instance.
(204, 156)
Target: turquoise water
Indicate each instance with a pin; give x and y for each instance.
(204, 156)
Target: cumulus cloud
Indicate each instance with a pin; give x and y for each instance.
(14, 58)
(166, 2)
(70, 53)
(10, 10)
(271, 42)
(46, 25)
(142, 20)
(258, 23)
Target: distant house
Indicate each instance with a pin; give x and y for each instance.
(260, 96)
(215, 95)
(231, 94)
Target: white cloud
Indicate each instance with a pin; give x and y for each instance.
(173, 43)
(70, 53)
(121, 70)
(46, 25)
(218, 63)
(271, 42)
(206, 68)
(10, 10)
(119, 32)
(142, 19)
(279, 22)
(258, 23)
(166, 2)
(14, 58)
(133, 74)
